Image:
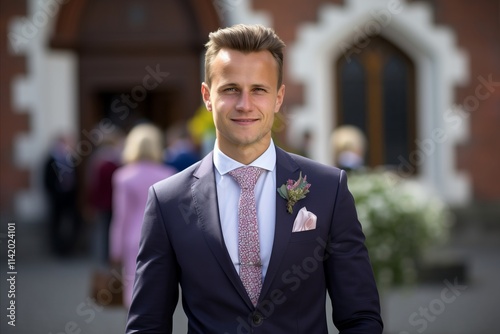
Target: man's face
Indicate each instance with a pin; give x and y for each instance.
(243, 98)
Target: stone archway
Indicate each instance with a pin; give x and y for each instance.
(440, 66)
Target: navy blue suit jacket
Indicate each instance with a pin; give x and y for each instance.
(182, 243)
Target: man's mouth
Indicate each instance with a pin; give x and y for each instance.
(245, 121)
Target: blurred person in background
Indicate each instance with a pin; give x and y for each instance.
(103, 163)
(142, 158)
(349, 146)
(181, 151)
(60, 182)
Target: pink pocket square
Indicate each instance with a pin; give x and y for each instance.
(304, 221)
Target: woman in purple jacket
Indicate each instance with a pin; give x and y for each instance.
(142, 157)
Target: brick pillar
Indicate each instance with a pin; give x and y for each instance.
(12, 122)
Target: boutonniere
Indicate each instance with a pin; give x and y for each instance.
(293, 191)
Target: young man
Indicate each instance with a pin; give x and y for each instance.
(250, 258)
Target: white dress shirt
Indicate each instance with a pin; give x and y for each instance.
(228, 194)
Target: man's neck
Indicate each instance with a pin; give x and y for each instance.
(245, 154)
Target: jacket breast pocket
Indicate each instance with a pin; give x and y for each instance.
(304, 236)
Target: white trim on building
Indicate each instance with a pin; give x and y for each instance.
(47, 92)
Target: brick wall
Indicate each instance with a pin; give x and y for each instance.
(477, 26)
(12, 123)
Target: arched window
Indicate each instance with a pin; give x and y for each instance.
(376, 93)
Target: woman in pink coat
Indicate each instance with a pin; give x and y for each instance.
(142, 156)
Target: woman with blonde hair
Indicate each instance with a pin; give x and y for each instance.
(142, 158)
(349, 146)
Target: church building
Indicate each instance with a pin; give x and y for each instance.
(420, 78)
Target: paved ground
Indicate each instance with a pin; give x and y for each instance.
(52, 294)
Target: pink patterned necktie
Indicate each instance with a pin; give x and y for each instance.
(248, 231)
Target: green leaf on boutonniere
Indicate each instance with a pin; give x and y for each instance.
(293, 191)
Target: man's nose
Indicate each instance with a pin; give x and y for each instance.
(244, 102)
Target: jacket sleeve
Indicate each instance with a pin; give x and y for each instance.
(350, 280)
(156, 288)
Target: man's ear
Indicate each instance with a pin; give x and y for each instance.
(279, 98)
(205, 94)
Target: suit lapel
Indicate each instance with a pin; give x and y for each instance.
(204, 195)
(286, 168)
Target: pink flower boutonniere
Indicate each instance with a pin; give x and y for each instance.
(293, 191)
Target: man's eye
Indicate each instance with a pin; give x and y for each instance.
(230, 89)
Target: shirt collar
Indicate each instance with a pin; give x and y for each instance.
(225, 164)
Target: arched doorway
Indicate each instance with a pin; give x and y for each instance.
(376, 93)
(137, 60)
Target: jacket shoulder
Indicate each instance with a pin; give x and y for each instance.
(175, 183)
(312, 166)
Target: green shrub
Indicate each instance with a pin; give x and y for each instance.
(400, 218)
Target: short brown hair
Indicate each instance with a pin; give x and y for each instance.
(244, 38)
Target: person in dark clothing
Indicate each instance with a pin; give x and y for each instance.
(61, 187)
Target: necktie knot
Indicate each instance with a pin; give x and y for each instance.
(246, 177)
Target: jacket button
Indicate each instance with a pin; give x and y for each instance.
(257, 319)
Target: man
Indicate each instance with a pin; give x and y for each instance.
(204, 226)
